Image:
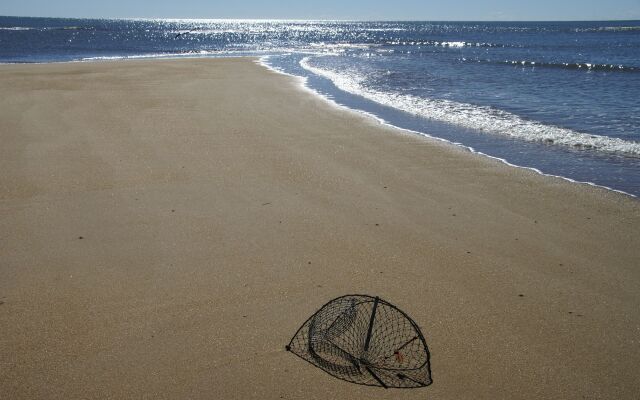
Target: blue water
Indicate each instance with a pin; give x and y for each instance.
(560, 97)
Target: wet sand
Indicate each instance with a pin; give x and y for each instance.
(166, 227)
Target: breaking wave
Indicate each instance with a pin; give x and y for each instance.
(479, 118)
(567, 65)
(452, 44)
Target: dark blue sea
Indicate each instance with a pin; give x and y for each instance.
(559, 97)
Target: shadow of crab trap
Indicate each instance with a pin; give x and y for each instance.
(365, 340)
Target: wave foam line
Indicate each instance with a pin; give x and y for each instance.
(564, 65)
(304, 85)
(15, 28)
(481, 118)
(445, 43)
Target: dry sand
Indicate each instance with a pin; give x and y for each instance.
(166, 226)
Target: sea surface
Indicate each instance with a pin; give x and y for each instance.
(559, 97)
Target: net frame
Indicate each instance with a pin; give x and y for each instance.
(365, 340)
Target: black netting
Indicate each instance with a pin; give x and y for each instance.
(365, 340)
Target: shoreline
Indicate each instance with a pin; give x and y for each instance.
(260, 59)
(471, 150)
(168, 225)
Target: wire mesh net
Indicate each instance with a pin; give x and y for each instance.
(365, 340)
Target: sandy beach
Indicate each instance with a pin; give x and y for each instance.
(166, 226)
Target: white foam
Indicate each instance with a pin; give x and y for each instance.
(479, 118)
(453, 44)
(264, 61)
(446, 44)
(191, 54)
(609, 29)
(143, 56)
(303, 81)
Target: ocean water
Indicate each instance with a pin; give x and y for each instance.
(559, 97)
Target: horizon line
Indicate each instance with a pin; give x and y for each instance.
(325, 19)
